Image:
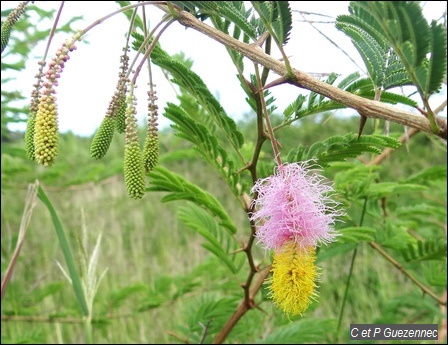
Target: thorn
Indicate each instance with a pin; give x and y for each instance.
(262, 39)
(362, 123)
(279, 81)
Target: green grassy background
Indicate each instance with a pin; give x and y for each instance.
(160, 281)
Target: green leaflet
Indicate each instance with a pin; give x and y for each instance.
(209, 309)
(207, 144)
(435, 273)
(340, 148)
(178, 188)
(438, 172)
(437, 62)
(277, 15)
(374, 26)
(356, 234)
(116, 299)
(315, 104)
(382, 189)
(218, 242)
(425, 250)
(233, 11)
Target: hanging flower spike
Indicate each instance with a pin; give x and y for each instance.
(151, 149)
(9, 22)
(134, 174)
(119, 101)
(294, 205)
(293, 281)
(46, 135)
(34, 107)
(102, 138)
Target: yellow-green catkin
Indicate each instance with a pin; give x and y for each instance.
(134, 174)
(151, 151)
(151, 148)
(119, 107)
(46, 135)
(29, 136)
(121, 113)
(34, 107)
(9, 22)
(293, 281)
(102, 138)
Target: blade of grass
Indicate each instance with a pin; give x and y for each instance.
(26, 217)
(74, 276)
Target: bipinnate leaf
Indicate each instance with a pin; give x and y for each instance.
(178, 188)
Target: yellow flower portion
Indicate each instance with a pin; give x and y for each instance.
(293, 281)
(46, 135)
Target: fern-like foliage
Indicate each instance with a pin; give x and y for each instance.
(314, 103)
(428, 175)
(356, 234)
(276, 14)
(218, 241)
(397, 44)
(232, 11)
(340, 148)
(425, 250)
(206, 144)
(269, 99)
(178, 188)
(205, 317)
(435, 273)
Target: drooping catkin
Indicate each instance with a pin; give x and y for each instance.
(151, 148)
(102, 138)
(9, 22)
(119, 107)
(121, 113)
(46, 135)
(29, 136)
(34, 107)
(115, 115)
(134, 175)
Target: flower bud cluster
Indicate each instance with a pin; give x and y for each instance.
(46, 135)
(9, 22)
(134, 175)
(151, 148)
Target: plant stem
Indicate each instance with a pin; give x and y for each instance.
(268, 121)
(394, 262)
(242, 307)
(347, 285)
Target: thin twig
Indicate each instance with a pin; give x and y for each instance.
(389, 258)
